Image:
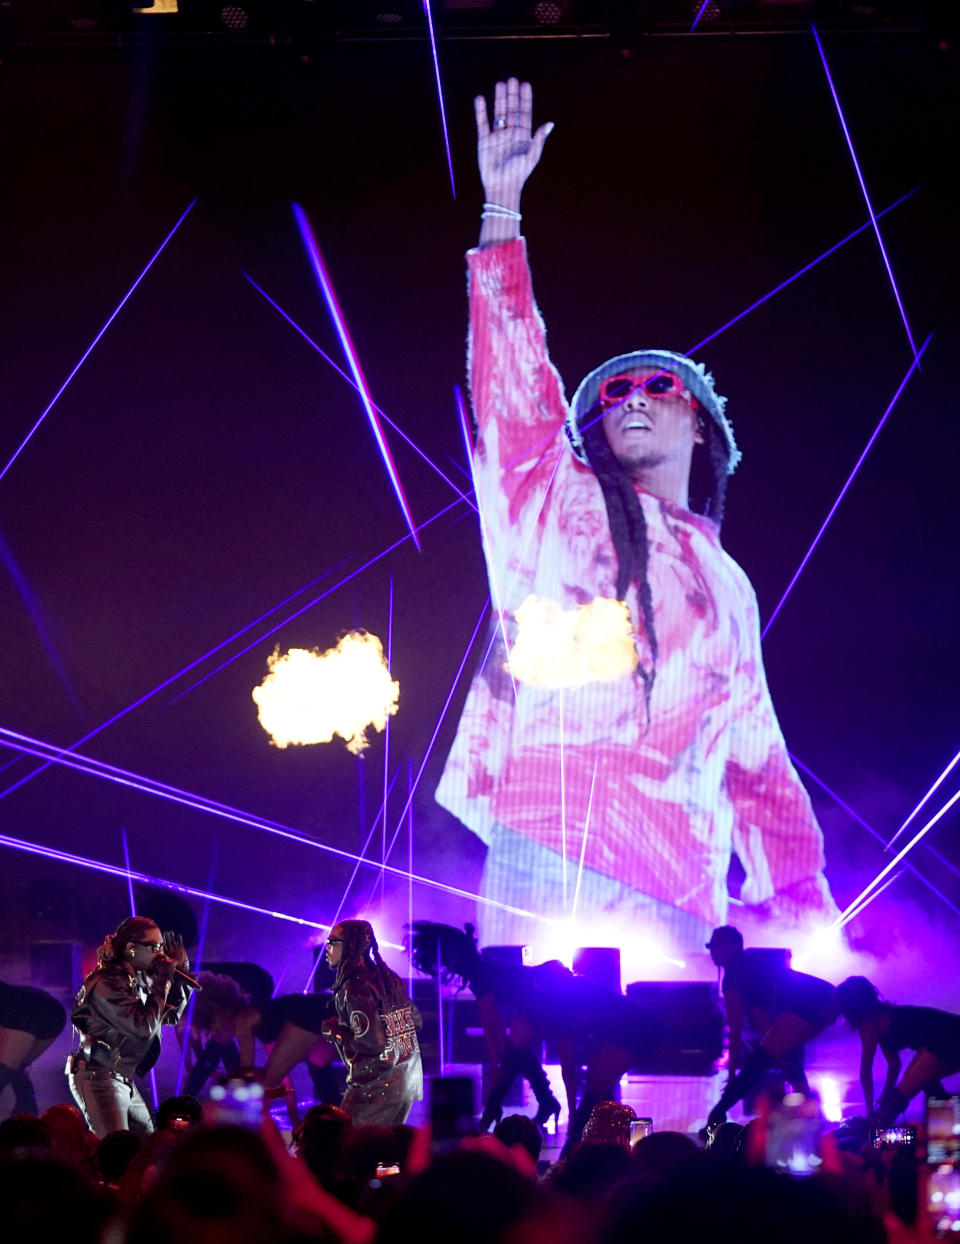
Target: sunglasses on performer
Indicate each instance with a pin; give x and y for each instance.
(617, 389)
(154, 946)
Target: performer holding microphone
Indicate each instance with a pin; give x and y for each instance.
(140, 983)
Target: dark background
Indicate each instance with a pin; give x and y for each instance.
(205, 463)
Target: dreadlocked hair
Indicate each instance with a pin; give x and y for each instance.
(628, 527)
(360, 948)
(441, 950)
(628, 524)
(708, 473)
(130, 930)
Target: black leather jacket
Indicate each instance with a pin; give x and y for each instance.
(378, 1041)
(119, 1016)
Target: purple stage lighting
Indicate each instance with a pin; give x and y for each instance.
(386, 732)
(179, 674)
(114, 870)
(866, 196)
(843, 491)
(947, 771)
(379, 409)
(192, 1001)
(852, 915)
(36, 616)
(852, 812)
(126, 861)
(700, 13)
(783, 285)
(303, 609)
(846, 915)
(89, 350)
(436, 730)
(381, 815)
(443, 113)
(326, 286)
(798, 274)
(122, 777)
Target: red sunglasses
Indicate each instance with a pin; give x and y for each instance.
(661, 384)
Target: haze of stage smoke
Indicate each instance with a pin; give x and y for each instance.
(557, 647)
(309, 696)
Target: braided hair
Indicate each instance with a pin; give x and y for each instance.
(628, 524)
(130, 930)
(360, 948)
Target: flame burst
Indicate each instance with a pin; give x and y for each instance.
(558, 647)
(309, 696)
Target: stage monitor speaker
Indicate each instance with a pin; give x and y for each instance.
(55, 965)
(689, 1024)
(600, 964)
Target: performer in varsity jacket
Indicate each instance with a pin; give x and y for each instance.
(375, 1028)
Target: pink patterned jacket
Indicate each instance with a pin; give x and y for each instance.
(707, 771)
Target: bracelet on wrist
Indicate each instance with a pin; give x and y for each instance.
(498, 210)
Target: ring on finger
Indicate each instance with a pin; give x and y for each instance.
(499, 123)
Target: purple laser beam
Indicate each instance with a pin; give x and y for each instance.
(873, 832)
(340, 372)
(122, 777)
(443, 112)
(784, 284)
(36, 616)
(90, 348)
(309, 605)
(436, 730)
(410, 871)
(876, 894)
(843, 491)
(192, 1001)
(179, 674)
(699, 15)
(799, 273)
(114, 870)
(235, 656)
(330, 297)
(356, 869)
(126, 860)
(945, 774)
(866, 195)
(386, 731)
(937, 816)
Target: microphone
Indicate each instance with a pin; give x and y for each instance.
(184, 976)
